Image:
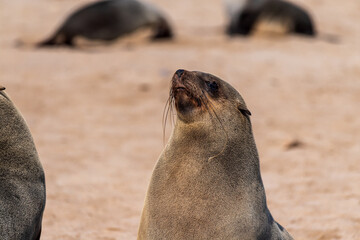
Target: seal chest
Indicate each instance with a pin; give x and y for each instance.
(207, 183)
(22, 189)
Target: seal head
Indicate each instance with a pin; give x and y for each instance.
(196, 93)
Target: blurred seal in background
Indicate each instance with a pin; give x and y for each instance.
(22, 188)
(207, 182)
(108, 20)
(245, 15)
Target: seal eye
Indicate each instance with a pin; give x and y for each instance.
(213, 87)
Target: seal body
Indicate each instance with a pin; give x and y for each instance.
(22, 188)
(244, 15)
(207, 183)
(107, 20)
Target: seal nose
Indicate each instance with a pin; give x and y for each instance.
(179, 72)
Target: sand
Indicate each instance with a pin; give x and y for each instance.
(96, 113)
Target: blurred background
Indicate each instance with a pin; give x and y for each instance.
(95, 112)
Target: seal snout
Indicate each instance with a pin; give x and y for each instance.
(177, 81)
(177, 84)
(183, 91)
(179, 72)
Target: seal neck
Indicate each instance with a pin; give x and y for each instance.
(232, 151)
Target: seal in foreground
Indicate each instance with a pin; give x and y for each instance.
(207, 183)
(107, 20)
(22, 188)
(244, 15)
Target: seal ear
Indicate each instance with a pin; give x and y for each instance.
(244, 110)
(2, 88)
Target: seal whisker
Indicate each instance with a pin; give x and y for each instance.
(171, 106)
(192, 89)
(212, 108)
(165, 116)
(168, 111)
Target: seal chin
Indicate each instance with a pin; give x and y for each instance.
(185, 103)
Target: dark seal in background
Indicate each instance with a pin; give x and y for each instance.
(108, 20)
(244, 15)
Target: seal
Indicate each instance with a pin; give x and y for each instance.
(244, 15)
(22, 189)
(207, 183)
(108, 20)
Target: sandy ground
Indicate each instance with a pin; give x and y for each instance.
(96, 113)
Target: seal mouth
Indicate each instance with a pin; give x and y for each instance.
(178, 86)
(177, 90)
(183, 92)
(180, 89)
(184, 98)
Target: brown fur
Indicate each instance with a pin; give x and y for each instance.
(207, 182)
(22, 189)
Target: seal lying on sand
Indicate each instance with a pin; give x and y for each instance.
(107, 20)
(207, 183)
(22, 188)
(246, 14)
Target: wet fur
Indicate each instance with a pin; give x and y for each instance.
(207, 182)
(22, 189)
(295, 19)
(108, 20)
